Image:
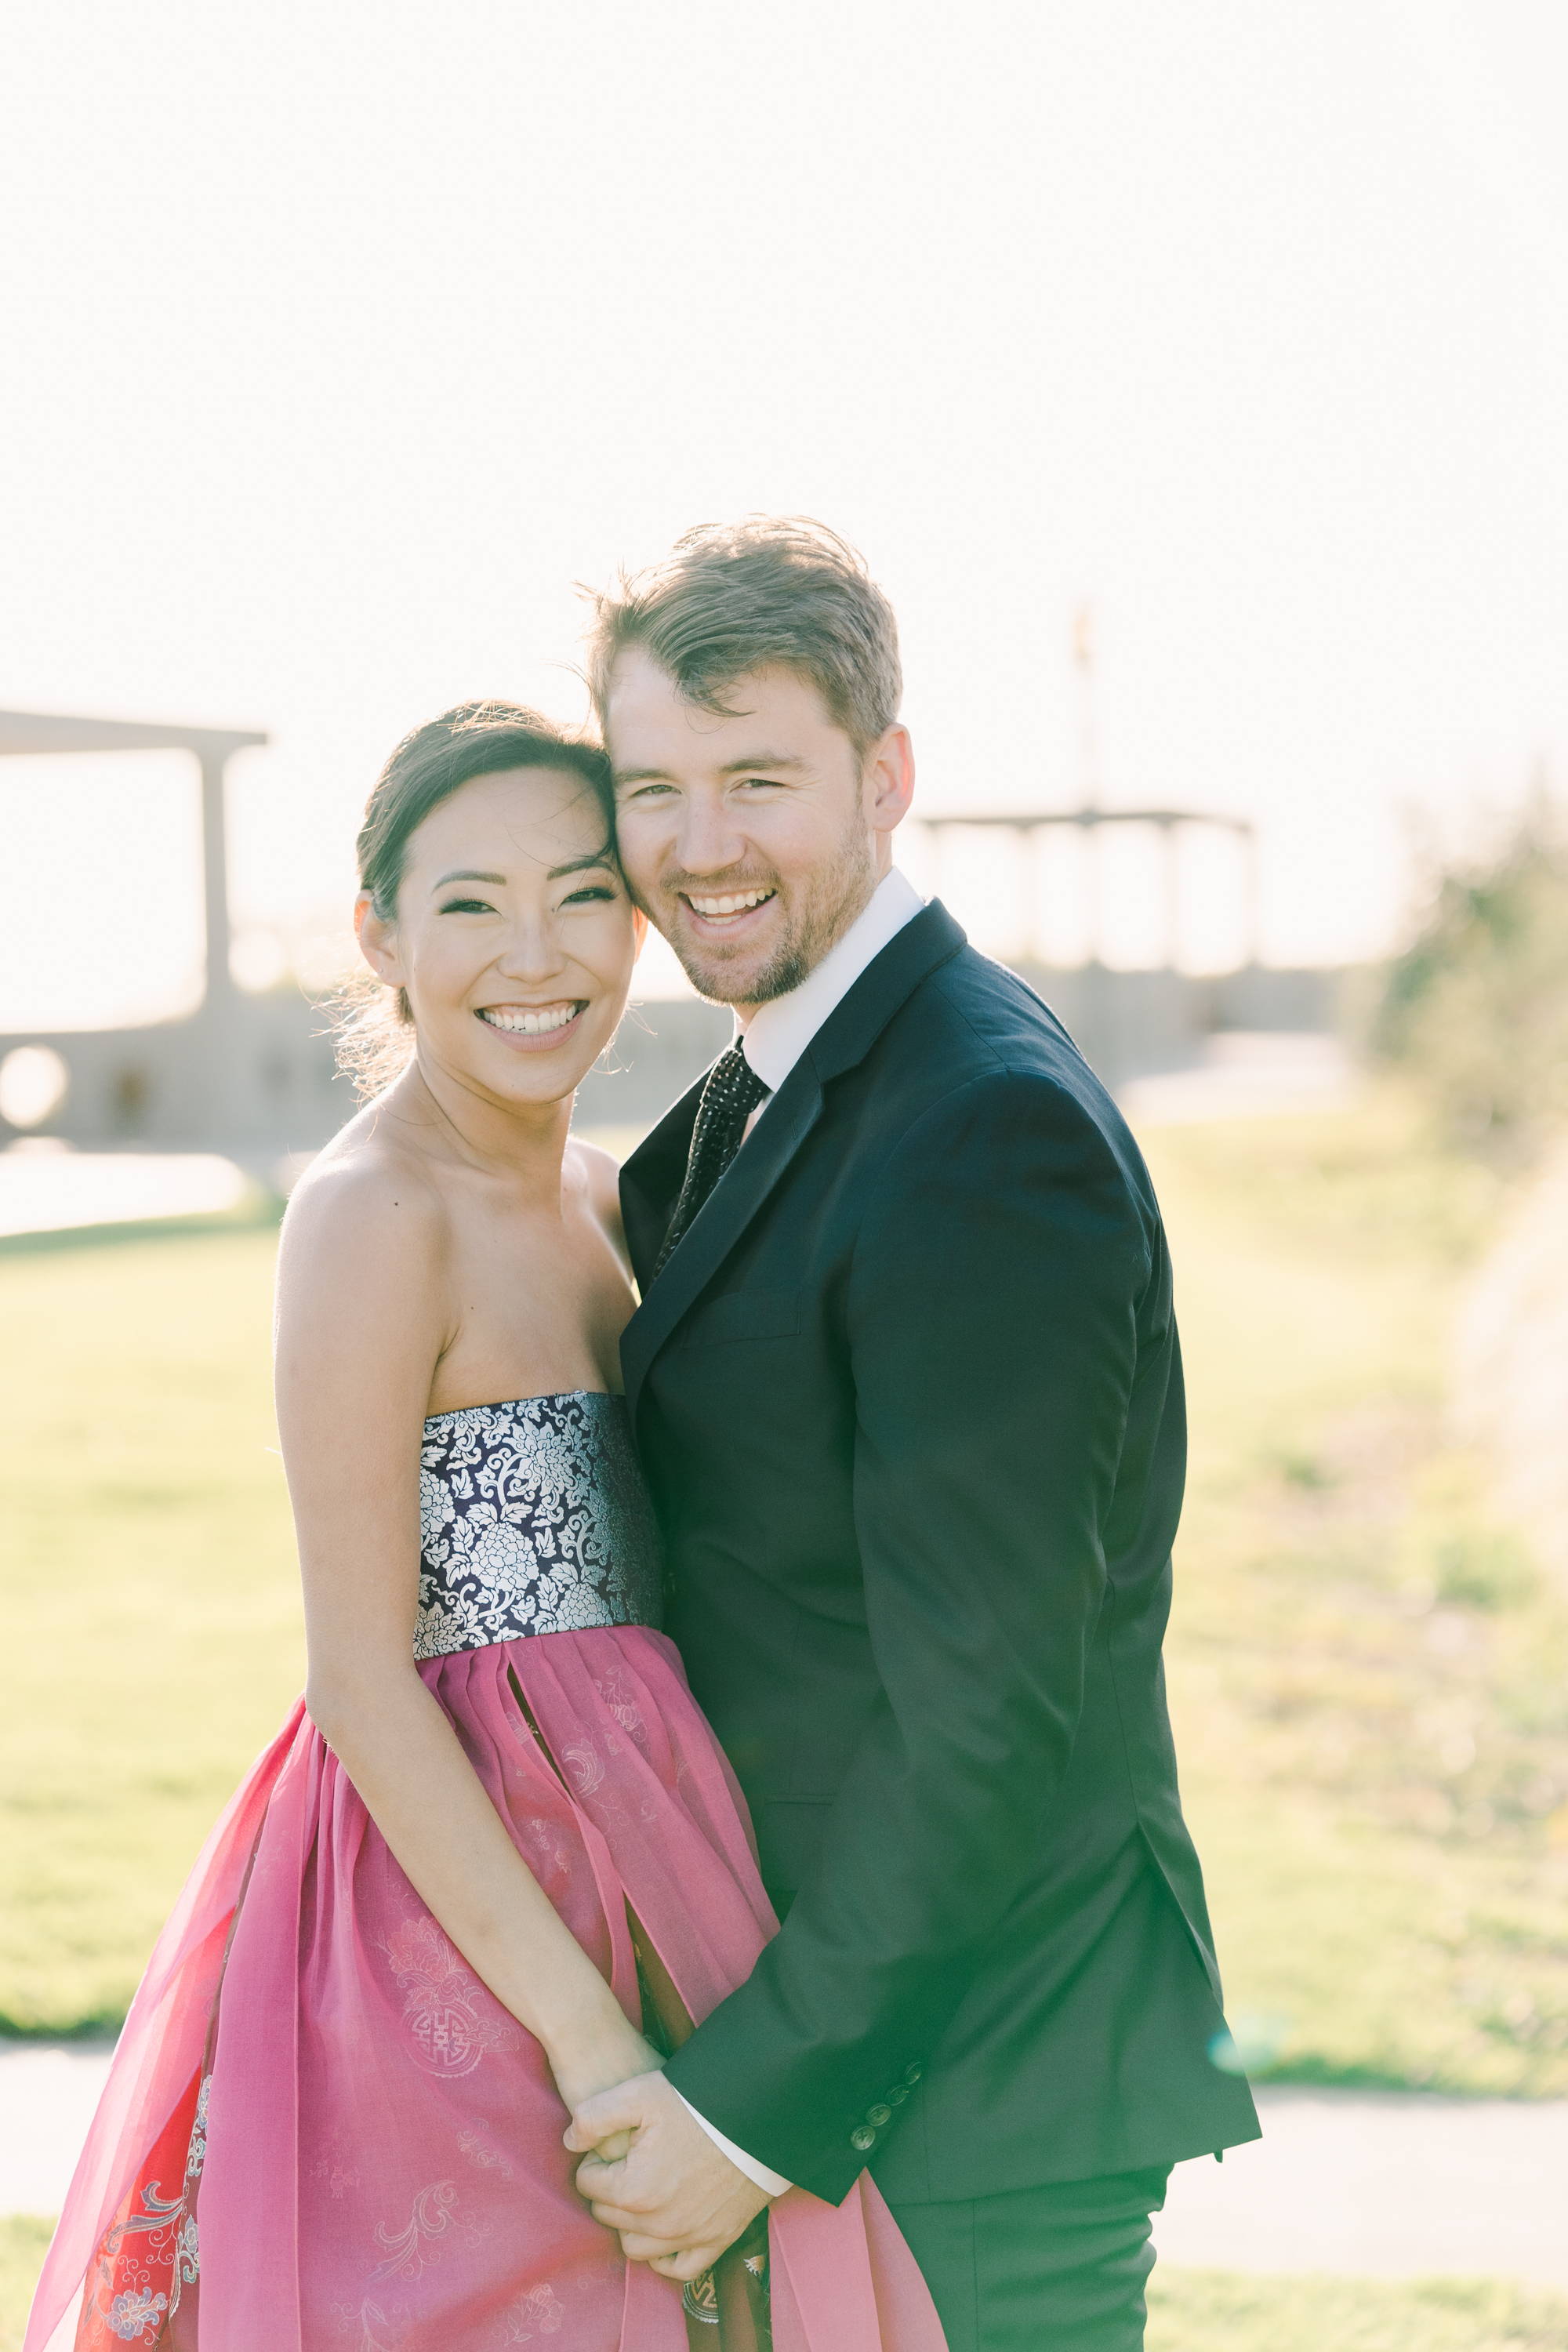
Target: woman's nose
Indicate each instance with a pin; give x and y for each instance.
(534, 952)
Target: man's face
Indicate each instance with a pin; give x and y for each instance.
(754, 841)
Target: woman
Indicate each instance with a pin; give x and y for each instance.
(496, 1845)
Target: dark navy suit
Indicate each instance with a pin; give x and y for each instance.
(909, 1397)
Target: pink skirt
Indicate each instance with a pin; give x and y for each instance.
(321, 2133)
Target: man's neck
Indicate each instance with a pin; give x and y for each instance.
(778, 1033)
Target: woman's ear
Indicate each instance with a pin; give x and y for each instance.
(639, 931)
(378, 941)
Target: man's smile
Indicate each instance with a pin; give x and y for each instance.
(725, 910)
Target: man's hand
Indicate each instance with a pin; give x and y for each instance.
(676, 2198)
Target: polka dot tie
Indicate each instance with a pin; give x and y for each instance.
(731, 1094)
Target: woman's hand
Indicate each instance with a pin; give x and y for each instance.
(614, 2054)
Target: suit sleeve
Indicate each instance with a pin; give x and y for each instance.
(990, 1320)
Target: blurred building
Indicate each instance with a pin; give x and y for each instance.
(241, 1073)
(253, 1075)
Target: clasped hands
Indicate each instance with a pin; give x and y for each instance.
(650, 2172)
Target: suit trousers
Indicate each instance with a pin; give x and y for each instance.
(1060, 2268)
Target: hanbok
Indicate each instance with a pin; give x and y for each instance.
(321, 2132)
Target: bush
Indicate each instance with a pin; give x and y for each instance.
(1476, 1009)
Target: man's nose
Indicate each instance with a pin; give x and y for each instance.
(709, 841)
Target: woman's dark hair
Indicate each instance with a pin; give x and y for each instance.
(472, 739)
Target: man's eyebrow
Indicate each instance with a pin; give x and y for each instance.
(754, 760)
(762, 760)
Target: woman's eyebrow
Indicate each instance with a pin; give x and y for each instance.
(556, 874)
(581, 865)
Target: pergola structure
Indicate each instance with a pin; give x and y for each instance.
(246, 1075)
(31, 732)
(1030, 824)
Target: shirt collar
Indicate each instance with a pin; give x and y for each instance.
(780, 1031)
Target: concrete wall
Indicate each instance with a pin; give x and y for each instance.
(256, 1079)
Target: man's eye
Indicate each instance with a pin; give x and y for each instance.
(758, 783)
(646, 791)
(467, 907)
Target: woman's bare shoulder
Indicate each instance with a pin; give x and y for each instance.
(599, 1173)
(367, 1196)
(600, 1169)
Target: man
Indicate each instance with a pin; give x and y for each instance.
(906, 1384)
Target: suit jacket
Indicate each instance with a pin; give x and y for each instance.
(909, 1398)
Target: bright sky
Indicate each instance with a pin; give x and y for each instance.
(339, 342)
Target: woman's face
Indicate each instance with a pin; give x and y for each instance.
(513, 936)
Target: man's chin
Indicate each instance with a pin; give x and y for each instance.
(724, 975)
(720, 980)
(742, 980)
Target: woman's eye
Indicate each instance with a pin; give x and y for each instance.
(590, 891)
(467, 907)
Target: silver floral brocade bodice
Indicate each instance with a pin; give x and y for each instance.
(533, 1519)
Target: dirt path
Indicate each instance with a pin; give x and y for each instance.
(1365, 2185)
(1390, 2184)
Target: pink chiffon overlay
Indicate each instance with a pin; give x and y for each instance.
(321, 2133)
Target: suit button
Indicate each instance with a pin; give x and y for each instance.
(863, 2138)
(913, 2072)
(899, 2093)
(879, 2116)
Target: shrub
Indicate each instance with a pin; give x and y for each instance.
(1476, 1009)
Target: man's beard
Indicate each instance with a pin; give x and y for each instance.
(837, 898)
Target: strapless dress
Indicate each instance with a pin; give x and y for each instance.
(321, 2131)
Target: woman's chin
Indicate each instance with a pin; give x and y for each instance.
(539, 1070)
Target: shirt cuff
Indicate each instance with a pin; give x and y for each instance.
(758, 2174)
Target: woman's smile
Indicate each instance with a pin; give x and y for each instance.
(534, 1027)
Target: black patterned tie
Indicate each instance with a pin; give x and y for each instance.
(731, 1094)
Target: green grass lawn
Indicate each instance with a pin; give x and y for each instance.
(152, 1611)
(1369, 1682)
(24, 2242)
(1214, 2311)
(1369, 1679)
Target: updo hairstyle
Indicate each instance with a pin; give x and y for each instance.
(472, 739)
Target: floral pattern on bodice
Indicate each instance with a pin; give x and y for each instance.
(533, 1519)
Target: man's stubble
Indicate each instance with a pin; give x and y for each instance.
(839, 893)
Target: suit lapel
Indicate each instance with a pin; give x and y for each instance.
(650, 1181)
(852, 1028)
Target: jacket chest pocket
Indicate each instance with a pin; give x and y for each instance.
(742, 1315)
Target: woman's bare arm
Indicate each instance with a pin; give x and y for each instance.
(361, 1322)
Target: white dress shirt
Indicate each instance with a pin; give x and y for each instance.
(774, 1040)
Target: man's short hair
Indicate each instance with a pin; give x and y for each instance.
(768, 592)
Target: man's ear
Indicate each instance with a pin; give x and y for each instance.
(639, 931)
(378, 941)
(889, 780)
